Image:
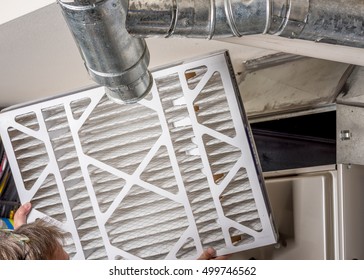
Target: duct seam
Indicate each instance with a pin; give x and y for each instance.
(295, 19)
(212, 19)
(174, 19)
(230, 18)
(269, 16)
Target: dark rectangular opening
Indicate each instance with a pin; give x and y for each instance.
(296, 142)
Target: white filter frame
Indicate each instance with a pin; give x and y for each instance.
(78, 212)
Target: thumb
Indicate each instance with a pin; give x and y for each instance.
(20, 217)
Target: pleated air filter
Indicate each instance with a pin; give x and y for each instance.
(160, 179)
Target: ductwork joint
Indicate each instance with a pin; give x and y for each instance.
(295, 19)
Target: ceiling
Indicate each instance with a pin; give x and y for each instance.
(17, 8)
(39, 59)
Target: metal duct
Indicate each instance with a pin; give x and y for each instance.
(336, 22)
(112, 57)
(329, 21)
(119, 61)
(196, 18)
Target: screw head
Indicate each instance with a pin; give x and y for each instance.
(345, 135)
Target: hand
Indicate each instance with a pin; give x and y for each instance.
(20, 216)
(210, 254)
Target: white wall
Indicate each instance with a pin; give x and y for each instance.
(17, 8)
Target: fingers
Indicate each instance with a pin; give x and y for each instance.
(210, 254)
(20, 217)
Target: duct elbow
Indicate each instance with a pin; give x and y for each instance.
(113, 58)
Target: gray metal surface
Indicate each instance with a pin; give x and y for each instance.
(201, 19)
(350, 116)
(112, 57)
(350, 134)
(288, 18)
(338, 21)
(335, 22)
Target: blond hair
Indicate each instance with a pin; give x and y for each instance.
(35, 241)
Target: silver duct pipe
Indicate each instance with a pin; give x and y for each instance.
(330, 21)
(337, 22)
(112, 56)
(119, 61)
(197, 18)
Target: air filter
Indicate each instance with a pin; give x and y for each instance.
(160, 179)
